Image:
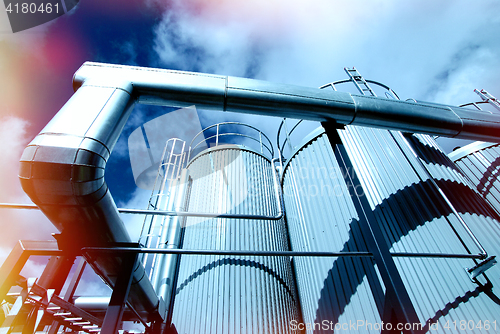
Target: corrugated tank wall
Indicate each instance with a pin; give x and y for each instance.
(322, 217)
(394, 171)
(480, 163)
(234, 294)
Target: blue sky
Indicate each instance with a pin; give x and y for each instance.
(436, 51)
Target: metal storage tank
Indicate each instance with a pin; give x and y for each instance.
(322, 217)
(420, 203)
(233, 294)
(479, 162)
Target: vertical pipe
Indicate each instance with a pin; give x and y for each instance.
(164, 271)
(260, 141)
(217, 136)
(288, 136)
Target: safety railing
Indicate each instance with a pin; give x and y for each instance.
(226, 133)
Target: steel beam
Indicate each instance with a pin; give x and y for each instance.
(54, 328)
(114, 313)
(9, 272)
(376, 243)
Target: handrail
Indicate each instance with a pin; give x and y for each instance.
(278, 216)
(217, 136)
(475, 104)
(87, 250)
(332, 84)
(269, 146)
(287, 139)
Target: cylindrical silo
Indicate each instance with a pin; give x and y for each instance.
(420, 202)
(321, 217)
(233, 294)
(480, 162)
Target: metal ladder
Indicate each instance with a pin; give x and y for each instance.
(487, 97)
(359, 81)
(173, 160)
(36, 302)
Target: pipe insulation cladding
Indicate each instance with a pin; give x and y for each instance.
(207, 91)
(62, 169)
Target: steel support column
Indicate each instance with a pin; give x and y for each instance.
(54, 328)
(53, 277)
(403, 307)
(9, 272)
(114, 314)
(55, 273)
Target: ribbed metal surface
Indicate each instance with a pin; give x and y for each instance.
(217, 294)
(321, 217)
(414, 216)
(480, 163)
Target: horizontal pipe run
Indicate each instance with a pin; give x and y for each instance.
(19, 206)
(278, 216)
(163, 213)
(234, 216)
(199, 214)
(44, 252)
(269, 253)
(233, 94)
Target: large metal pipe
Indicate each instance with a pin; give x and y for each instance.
(206, 91)
(62, 169)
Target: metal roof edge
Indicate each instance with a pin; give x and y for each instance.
(307, 139)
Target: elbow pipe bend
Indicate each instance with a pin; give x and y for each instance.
(62, 171)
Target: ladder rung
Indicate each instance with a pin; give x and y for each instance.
(81, 323)
(63, 314)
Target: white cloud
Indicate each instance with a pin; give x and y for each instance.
(407, 45)
(13, 139)
(133, 222)
(16, 224)
(34, 267)
(91, 285)
(428, 50)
